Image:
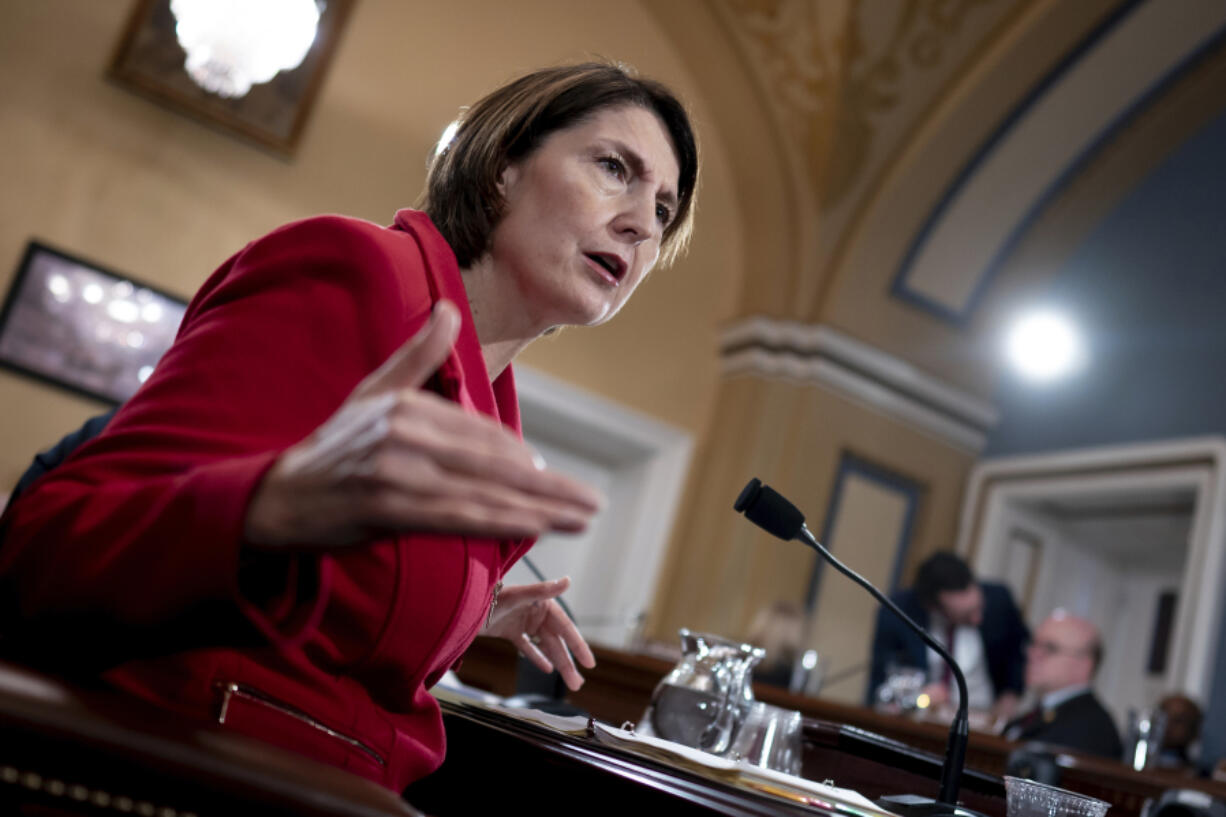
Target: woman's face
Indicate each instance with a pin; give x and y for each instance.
(584, 216)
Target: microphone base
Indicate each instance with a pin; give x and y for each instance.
(912, 805)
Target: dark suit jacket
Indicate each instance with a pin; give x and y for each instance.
(45, 461)
(1081, 723)
(1004, 639)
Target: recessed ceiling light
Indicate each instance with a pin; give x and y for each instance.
(1044, 345)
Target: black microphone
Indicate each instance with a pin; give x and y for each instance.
(770, 511)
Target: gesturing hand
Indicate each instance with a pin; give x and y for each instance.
(528, 617)
(396, 458)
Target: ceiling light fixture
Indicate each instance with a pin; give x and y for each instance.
(234, 44)
(1044, 346)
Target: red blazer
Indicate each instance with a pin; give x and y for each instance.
(129, 551)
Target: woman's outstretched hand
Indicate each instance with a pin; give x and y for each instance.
(396, 458)
(528, 617)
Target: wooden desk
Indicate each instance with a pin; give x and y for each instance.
(844, 739)
(70, 749)
(496, 764)
(620, 687)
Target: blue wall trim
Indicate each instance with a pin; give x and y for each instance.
(849, 465)
(899, 289)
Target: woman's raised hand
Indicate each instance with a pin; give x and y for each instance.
(396, 458)
(528, 617)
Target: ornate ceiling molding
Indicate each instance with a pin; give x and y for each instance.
(821, 355)
(833, 70)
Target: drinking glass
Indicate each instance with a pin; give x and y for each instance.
(1145, 732)
(1026, 798)
(770, 737)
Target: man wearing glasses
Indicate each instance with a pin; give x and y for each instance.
(1060, 664)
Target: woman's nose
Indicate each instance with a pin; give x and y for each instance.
(635, 223)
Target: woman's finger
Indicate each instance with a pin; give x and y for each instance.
(533, 653)
(393, 511)
(359, 437)
(408, 490)
(518, 594)
(560, 497)
(552, 646)
(575, 643)
(477, 446)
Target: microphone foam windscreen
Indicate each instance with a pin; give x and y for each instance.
(769, 511)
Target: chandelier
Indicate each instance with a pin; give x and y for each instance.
(234, 44)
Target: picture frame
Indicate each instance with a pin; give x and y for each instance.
(149, 61)
(78, 326)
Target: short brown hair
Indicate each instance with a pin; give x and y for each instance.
(462, 196)
(940, 573)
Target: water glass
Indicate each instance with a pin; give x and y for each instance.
(770, 737)
(1026, 798)
(901, 688)
(1145, 732)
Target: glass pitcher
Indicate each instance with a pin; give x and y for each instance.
(705, 698)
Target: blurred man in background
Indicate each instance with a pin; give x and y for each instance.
(1061, 662)
(977, 622)
(1183, 723)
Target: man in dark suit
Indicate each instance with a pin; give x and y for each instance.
(978, 623)
(1062, 661)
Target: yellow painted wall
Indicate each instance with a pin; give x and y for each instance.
(99, 172)
(722, 569)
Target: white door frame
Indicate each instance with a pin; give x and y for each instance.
(648, 461)
(1198, 463)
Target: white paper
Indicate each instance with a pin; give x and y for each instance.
(657, 746)
(570, 724)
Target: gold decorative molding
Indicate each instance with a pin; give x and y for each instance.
(831, 69)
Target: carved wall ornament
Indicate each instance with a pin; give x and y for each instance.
(831, 69)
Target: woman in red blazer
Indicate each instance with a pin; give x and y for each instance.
(302, 518)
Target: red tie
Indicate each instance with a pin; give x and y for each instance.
(948, 677)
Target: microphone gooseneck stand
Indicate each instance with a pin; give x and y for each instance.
(770, 511)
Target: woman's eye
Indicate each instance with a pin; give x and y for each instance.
(613, 165)
(663, 214)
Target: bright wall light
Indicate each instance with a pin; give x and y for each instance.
(1044, 346)
(234, 44)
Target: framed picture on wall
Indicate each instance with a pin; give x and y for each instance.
(81, 327)
(887, 503)
(230, 65)
(871, 516)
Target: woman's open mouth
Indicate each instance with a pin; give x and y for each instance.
(610, 266)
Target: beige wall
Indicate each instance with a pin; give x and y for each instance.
(722, 569)
(98, 172)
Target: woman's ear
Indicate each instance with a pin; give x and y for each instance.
(507, 179)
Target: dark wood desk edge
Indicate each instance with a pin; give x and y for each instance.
(621, 675)
(88, 730)
(674, 779)
(873, 746)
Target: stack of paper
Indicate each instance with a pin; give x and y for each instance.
(666, 750)
(576, 725)
(802, 790)
(789, 787)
